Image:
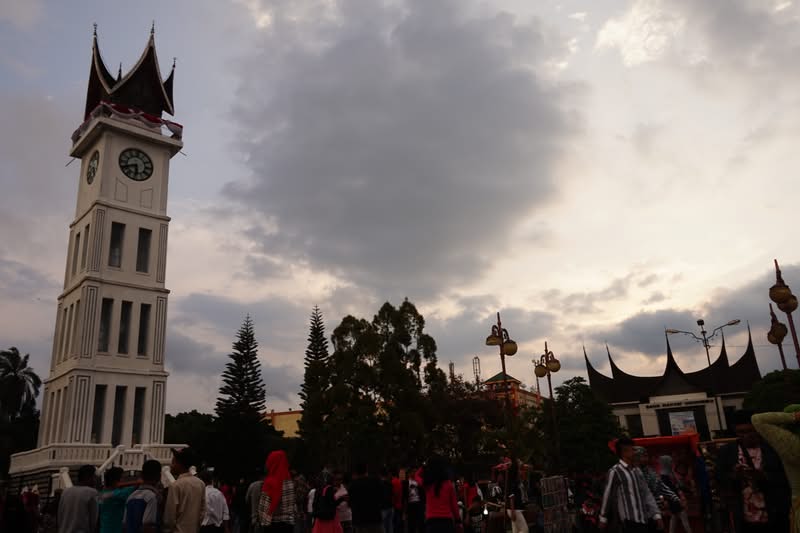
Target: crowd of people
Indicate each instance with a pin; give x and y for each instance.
(748, 485)
(744, 489)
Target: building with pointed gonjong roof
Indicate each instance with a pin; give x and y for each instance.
(676, 400)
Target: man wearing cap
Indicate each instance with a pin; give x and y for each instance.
(186, 498)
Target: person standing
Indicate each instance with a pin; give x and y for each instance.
(366, 499)
(414, 512)
(251, 499)
(325, 506)
(217, 515)
(77, 509)
(141, 508)
(387, 508)
(676, 500)
(279, 488)
(112, 500)
(781, 431)
(186, 498)
(441, 507)
(398, 503)
(627, 494)
(343, 511)
(756, 489)
(301, 489)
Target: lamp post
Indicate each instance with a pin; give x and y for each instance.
(499, 337)
(781, 294)
(704, 340)
(546, 365)
(776, 334)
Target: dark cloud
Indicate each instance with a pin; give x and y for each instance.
(389, 140)
(19, 281)
(589, 302)
(655, 298)
(462, 337)
(191, 358)
(279, 323)
(643, 333)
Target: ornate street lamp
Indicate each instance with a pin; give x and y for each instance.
(499, 337)
(781, 294)
(704, 340)
(546, 365)
(776, 334)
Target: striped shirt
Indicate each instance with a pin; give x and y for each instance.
(627, 493)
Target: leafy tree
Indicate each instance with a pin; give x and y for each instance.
(316, 382)
(19, 384)
(18, 435)
(774, 392)
(242, 391)
(196, 429)
(585, 425)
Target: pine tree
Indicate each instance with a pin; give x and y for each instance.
(316, 382)
(316, 358)
(242, 392)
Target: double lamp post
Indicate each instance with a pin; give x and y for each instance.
(545, 365)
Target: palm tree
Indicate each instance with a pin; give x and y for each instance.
(19, 384)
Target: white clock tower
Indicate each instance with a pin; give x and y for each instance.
(107, 384)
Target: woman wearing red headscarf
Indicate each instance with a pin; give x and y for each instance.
(277, 506)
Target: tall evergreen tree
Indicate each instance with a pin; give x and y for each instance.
(242, 391)
(240, 410)
(316, 381)
(316, 358)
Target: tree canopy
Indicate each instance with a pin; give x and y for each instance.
(775, 391)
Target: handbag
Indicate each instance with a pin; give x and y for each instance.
(264, 516)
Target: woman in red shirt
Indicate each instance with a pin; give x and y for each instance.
(441, 508)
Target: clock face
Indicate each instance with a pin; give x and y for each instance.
(135, 164)
(91, 168)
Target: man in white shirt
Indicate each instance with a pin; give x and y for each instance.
(216, 518)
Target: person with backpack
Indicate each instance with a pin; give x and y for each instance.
(326, 519)
(343, 511)
(141, 507)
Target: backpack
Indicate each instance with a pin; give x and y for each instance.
(324, 506)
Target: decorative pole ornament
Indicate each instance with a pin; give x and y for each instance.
(545, 366)
(499, 337)
(777, 332)
(781, 294)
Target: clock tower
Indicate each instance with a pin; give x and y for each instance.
(107, 385)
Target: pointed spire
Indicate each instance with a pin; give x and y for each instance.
(723, 353)
(670, 357)
(119, 72)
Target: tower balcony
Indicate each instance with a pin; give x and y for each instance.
(72, 456)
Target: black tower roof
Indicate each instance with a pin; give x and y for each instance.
(627, 388)
(142, 88)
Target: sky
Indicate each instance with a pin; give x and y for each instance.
(594, 171)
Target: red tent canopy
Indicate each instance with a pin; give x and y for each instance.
(689, 439)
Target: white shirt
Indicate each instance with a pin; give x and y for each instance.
(413, 491)
(216, 508)
(343, 510)
(310, 506)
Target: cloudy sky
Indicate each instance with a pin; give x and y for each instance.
(596, 171)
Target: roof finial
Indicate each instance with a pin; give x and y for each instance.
(174, 60)
(95, 29)
(119, 72)
(153, 28)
